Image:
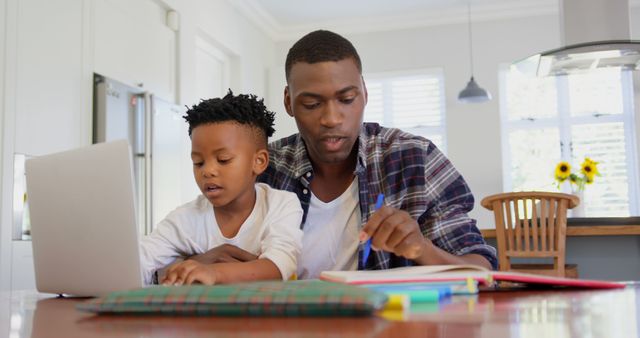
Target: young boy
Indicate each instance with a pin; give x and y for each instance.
(228, 150)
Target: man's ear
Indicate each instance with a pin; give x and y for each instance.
(260, 161)
(287, 101)
(366, 93)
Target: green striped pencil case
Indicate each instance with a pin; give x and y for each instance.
(267, 298)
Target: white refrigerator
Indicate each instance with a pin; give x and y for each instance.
(158, 137)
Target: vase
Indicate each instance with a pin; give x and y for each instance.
(579, 210)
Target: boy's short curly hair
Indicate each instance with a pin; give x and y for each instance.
(243, 109)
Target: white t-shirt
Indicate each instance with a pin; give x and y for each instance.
(271, 231)
(330, 239)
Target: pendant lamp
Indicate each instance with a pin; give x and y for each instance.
(472, 93)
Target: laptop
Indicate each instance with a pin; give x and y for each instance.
(83, 220)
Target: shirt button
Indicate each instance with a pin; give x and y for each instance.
(305, 191)
(308, 174)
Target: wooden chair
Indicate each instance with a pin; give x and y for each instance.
(532, 225)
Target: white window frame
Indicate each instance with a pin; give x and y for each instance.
(564, 122)
(388, 111)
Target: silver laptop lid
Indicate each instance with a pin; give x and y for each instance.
(83, 220)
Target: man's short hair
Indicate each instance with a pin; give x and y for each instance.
(243, 109)
(321, 46)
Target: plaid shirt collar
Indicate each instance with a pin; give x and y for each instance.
(302, 164)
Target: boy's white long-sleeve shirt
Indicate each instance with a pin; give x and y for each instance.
(271, 231)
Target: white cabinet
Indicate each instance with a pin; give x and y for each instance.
(22, 275)
(49, 114)
(133, 44)
(45, 103)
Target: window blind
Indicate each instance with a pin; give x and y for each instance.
(411, 101)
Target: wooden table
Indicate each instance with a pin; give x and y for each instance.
(537, 314)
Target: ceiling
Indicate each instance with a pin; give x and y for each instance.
(288, 19)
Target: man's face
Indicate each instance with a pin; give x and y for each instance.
(327, 100)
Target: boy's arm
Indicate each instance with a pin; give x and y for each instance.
(280, 248)
(160, 248)
(282, 242)
(190, 271)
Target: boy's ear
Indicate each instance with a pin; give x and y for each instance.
(260, 161)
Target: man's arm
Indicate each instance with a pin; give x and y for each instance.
(225, 253)
(395, 231)
(435, 227)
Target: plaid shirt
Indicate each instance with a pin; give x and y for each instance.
(413, 175)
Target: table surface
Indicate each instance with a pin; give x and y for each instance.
(524, 313)
(603, 226)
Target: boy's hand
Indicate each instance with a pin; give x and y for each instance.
(394, 230)
(225, 253)
(190, 272)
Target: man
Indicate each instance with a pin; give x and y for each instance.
(337, 166)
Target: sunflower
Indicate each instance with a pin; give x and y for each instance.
(579, 179)
(589, 169)
(563, 171)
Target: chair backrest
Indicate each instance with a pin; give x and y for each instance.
(531, 224)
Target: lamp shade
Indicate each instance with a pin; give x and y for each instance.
(472, 93)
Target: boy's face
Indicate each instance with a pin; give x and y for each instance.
(327, 100)
(226, 160)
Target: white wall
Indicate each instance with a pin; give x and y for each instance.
(52, 50)
(285, 125)
(473, 133)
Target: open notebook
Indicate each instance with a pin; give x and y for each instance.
(451, 273)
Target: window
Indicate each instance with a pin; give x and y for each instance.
(546, 120)
(411, 101)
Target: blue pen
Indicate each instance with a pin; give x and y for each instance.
(367, 244)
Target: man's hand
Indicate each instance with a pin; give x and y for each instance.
(225, 253)
(189, 272)
(394, 230)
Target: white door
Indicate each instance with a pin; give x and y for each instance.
(212, 70)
